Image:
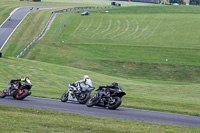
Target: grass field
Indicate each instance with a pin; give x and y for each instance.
(7, 6)
(152, 45)
(22, 31)
(84, 44)
(128, 45)
(51, 81)
(35, 120)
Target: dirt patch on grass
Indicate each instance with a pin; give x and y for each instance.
(49, 25)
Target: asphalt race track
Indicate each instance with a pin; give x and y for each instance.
(6, 30)
(120, 113)
(9, 26)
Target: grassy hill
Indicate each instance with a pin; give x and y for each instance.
(155, 42)
(7, 6)
(51, 81)
(127, 45)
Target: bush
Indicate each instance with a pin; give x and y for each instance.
(194, 2)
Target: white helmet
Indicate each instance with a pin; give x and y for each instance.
(85, 77)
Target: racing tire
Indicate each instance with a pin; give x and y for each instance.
(21, 96)
(15, 94)
(64, 97)
(2, 94)
(83, 100)
(92, 101)
(115, 104)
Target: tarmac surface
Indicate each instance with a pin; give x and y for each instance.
(6, 30)
(119, 113)
(13, 21)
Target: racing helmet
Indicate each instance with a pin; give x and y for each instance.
(114, 84)
(85, 77)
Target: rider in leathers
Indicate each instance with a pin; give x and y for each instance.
(25, 80)
(84, 83)
(108, 88)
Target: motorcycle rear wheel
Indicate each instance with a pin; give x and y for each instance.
(21, 96)
(2, 94)
(84, 99)
(64, 97)
(116, 102)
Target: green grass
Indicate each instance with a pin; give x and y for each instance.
(157, 10)
(23, 35)
(51, 81)
(5, 10)
(35, 120)
(61, 3)
(131, 62)
(129, 45)
(7, 6)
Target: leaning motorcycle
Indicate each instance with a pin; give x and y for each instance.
(76, 93)
(101, 99)
(18, 90)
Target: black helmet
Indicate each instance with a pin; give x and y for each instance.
(114, 84)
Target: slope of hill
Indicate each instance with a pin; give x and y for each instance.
(51, 81)
(133, 42)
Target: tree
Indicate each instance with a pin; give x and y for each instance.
(194, 2)
(177, 1)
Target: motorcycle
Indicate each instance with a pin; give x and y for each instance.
(76, 93)
(101, 98)
(18, 90)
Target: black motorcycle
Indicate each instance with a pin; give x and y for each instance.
(101, 98)
(18, 90)
(76, 93)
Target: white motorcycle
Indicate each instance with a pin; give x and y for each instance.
(77, 93)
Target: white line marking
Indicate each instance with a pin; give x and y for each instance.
(9, 17)
(14, 31)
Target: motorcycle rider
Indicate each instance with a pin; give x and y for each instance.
(84, 83)
(25, 80)
(108, 88)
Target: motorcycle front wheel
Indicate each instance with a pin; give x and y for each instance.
(115, 103)
(84, 98)
(92, 101)
(20, 96)
(64, 97)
